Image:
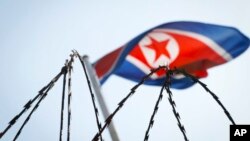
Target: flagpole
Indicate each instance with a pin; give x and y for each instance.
(100, 98)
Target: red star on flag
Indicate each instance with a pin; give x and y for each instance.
(159, 47)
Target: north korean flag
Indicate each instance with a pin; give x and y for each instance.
(192, 46)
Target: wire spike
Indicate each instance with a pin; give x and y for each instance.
(14, 119)
(28, 104)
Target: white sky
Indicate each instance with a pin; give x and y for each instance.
(37, 36)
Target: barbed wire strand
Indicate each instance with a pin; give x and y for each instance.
(122, 102)
(173, 104)
(29, 104)
(92, 95)
(37, 104)
(63, 98)
(156, 108)
(70, 68)
(216, 98)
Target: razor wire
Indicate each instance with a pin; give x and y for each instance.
(62, 105)
(167, 88)
(173, 104)
(37, 104)
(92, 95)
(70, 68)
(122, 102)
(156, 108)
(216, 98)
(166, 85)
(30, 102)
(67, 69)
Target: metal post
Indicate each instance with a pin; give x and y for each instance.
(100, 98)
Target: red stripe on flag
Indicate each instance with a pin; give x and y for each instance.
(105, 64)
(195, 56)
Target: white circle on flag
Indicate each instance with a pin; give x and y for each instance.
(154, 58)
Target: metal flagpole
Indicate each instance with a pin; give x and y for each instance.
(100, 98)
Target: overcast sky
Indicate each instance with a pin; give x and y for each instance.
(36, 36)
